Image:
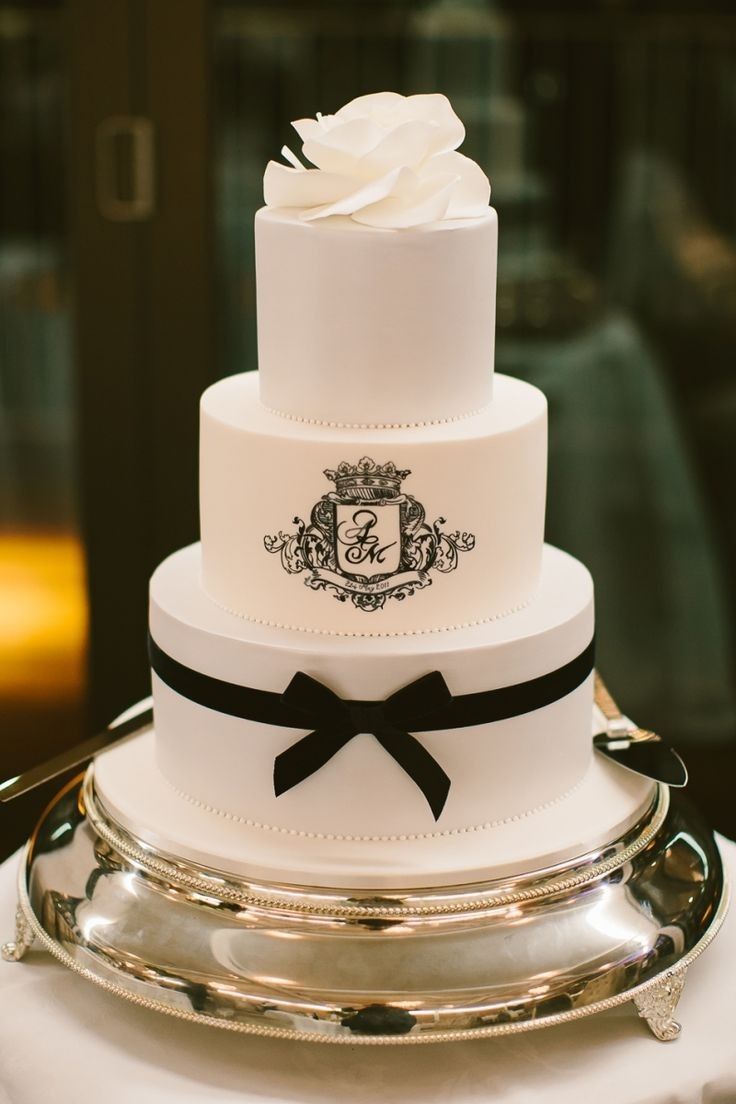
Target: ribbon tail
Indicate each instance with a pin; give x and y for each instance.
(423, 769)
(306, 756)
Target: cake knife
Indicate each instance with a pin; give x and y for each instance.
(128, 724)
(637, 749)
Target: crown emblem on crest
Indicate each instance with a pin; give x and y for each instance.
(366, 479)
(368, 540)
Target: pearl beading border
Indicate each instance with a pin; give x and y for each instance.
(303, 833)
(365, 636)
(375, 425)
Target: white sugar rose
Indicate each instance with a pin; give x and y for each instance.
(383, 160)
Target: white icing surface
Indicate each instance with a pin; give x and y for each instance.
(362, 325)
(499, 770)
(606, 801)
(384, 160)
(485, 475)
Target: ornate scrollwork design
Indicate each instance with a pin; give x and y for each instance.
(657, 1004)
(290, 545)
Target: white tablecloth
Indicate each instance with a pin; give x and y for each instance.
(62, 1039)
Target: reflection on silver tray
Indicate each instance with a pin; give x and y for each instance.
(622, 923)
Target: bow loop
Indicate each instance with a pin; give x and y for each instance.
(411, 704)
(305, 694)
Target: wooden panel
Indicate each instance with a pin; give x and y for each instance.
(114, 445)
(142, 318)
(179, 268)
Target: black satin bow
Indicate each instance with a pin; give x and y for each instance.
(337, 721)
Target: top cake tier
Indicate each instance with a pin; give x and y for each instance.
(359, 326)
(376, 270)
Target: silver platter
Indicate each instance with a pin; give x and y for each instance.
(622, 923)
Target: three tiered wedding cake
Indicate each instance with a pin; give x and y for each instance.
(372, 672)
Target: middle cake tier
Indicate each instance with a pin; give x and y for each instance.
(371, 531)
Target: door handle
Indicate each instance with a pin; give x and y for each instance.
(125, 168)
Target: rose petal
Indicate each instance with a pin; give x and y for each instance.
(362, 196)
(436, 109)
(374, 103)
(426, 203)
(292, 158)
(340, 149)
(287, 187)
(472, 193)
(407, 145)
(309, 129)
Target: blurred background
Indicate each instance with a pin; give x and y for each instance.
(133, 138)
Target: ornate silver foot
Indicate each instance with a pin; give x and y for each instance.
(657, 1004)
(14, 951)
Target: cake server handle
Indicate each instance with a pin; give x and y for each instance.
(618, 738)
(134, 721)
(614, 721)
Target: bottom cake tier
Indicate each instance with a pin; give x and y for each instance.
(511, 738)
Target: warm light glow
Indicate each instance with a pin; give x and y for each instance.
(43, 616)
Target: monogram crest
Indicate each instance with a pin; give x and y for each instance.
(368, 540)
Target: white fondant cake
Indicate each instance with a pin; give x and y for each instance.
(372, 671)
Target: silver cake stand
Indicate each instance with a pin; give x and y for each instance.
(622, 923)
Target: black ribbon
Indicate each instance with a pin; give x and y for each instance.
(425, 705)
(388, 721)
